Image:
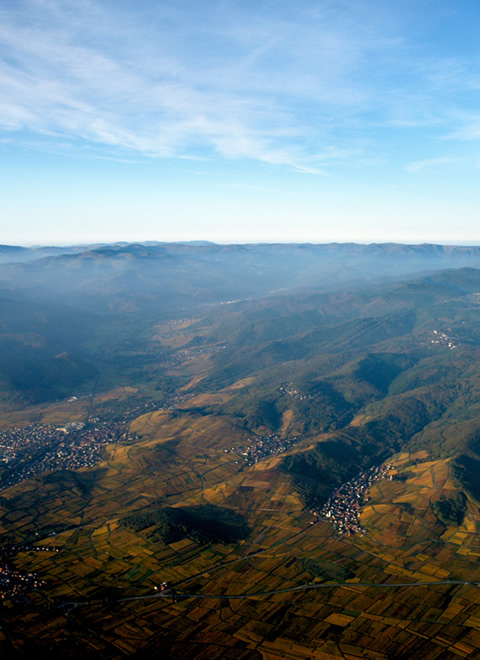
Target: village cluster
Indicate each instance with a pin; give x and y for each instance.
(262, 446)
(444, 339)
(14, 584)
(292, 391)
(37, 448)
(342, 508)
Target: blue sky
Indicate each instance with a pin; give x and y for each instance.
(239, 121)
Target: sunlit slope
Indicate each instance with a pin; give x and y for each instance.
(266, 592)
(345, 381)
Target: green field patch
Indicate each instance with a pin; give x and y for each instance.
(327, 571)
(451, 510)
(202, 524)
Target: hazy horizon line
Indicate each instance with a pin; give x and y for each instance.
(205, 242)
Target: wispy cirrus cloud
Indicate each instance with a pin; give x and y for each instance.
(433, 163)
(299, 88)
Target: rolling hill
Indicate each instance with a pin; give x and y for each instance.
(229, 413)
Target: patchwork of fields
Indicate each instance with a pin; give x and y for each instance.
(410, 590)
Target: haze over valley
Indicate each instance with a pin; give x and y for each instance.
(240, 450)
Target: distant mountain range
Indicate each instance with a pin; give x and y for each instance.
(206, 272)
(88, 301)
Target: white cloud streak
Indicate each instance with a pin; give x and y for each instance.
(192, 80)
(443, 162)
